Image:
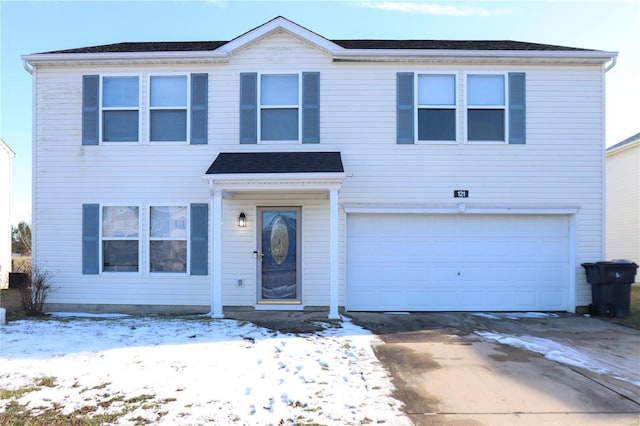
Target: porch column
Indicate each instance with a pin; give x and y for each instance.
(333, 254)
(216, 256)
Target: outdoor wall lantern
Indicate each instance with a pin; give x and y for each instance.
(242, 220)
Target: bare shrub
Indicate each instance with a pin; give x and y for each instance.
(34, 295)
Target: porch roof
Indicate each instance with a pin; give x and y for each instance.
(229, 163)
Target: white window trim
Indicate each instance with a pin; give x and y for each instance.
(149, 108)
(140, 237)
(455, 107)
(261, 107)
(148, 238)
(505, 107)
(140, 109)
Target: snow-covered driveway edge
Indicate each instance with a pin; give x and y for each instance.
(558, 352)
(198, 371)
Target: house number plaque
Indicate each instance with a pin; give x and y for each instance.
(461, 193)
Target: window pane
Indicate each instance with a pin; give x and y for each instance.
(120, 222)
(168, 222)
(485, 124)
(120, 126)
(485, 90)
(168, 125)
(279, 90)
(279, 124)
(436, 125)
(168, 256)
(437, 89)
(120, 92)
(120, 256)
(168, 91)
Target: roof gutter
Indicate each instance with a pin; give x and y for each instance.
(129, 57)
(364, 55)
(25, 65)
(612, 64)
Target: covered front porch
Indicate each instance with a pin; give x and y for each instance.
(274, 230)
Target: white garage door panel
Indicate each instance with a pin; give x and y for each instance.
(457, 262)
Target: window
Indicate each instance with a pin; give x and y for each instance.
(168, 239)
(120, 234)
(486, 107)
(120, 109)
(496, 107)
(436, 107)
(279, 106)
(168, 108)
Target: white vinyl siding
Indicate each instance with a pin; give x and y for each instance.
(623, 204)
(560, 166)
(6, 156)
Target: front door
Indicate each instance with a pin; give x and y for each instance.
(278, 255)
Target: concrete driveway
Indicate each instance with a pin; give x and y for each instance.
(509, 369)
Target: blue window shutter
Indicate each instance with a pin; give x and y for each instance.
(90, 238)
(249, 107)
(517, 110)
(310, 107)
(405, 105)
(199, 108)
(90, 109)
(199, 239)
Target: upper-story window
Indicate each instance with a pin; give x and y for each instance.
(168, 107)
(486, 107)
(175, 110)
(494, 107)
(279, 107)
(120, 109)
(436, 107)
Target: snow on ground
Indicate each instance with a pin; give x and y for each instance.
(514, 315)
(198, 371)
(556, 351)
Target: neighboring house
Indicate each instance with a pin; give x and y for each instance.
(623, 200)
(6, 157)
(284, 170)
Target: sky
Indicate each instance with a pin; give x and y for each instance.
(40, 26)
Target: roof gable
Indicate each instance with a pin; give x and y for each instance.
(279, 24)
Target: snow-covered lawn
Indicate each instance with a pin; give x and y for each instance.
(192, 371)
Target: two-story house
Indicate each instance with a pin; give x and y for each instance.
(284, 170)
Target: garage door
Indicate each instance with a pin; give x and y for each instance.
(417, 262)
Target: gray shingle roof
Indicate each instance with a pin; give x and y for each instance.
(448, 45)
(163, 46)
(625, 142)
(196, 46)
(276, 162)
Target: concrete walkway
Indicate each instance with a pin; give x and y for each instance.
(455, 368)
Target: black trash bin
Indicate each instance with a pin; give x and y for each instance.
(18, 280)
(610, 287)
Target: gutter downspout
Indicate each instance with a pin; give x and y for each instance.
(25, 65)
(614, 61)
(603, 235)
